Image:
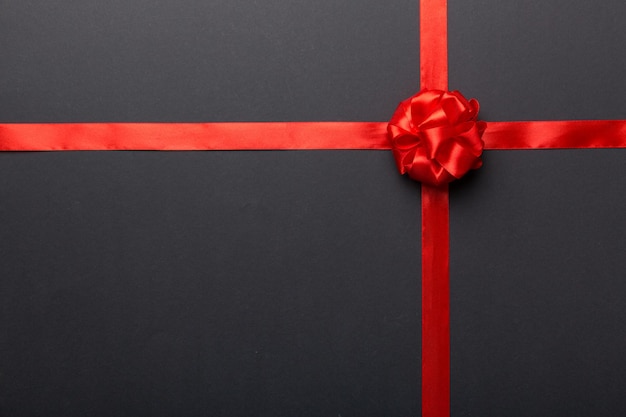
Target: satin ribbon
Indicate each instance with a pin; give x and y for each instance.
(290, 135)
(433, 25)
(192, 136)
(345, 135)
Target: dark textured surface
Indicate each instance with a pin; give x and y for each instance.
(192, 60)
(287, 283)
(221, 283)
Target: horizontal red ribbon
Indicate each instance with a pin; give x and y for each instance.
(290, 135)
(572, 134)
(192, 136)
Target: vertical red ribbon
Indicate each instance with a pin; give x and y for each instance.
(435, 302)
(435, 230)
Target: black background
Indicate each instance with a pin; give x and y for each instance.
(287, 283)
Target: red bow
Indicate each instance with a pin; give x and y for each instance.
(435, 136)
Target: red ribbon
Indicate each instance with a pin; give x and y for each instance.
(290, 135)
(356, 135)
(192, 136)
(435, 230)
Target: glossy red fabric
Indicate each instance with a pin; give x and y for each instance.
(290, 135)
(435, 302)
(435, 137)
(573, 134)
(434, 44)
(435, 229)
(192, 136)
